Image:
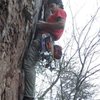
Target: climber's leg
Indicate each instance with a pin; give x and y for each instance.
(30, 60)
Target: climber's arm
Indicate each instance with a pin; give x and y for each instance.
(58, 24)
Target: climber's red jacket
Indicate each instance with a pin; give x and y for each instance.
(55, 24)
(59, 13)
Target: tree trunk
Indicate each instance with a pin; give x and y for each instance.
(16, 31)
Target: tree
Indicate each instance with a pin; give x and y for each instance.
(16, 32)
(68, 84)
(84, 49)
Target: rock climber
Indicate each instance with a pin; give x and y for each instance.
(54, 26)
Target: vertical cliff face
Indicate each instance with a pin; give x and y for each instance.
(15, 33)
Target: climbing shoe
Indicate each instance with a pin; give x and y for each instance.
(28, 98)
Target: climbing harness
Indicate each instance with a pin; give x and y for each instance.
(47, 49)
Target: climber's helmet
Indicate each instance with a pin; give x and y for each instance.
(54, 4)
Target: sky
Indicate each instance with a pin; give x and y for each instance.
(82, 11)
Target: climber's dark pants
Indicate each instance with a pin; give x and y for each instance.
(30, 61)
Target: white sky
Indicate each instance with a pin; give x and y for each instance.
(83, 11)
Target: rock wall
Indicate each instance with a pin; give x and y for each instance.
(17, 26)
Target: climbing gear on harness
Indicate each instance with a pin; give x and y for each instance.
(46, 44)
(46, 49)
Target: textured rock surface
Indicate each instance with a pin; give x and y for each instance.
(15, 34)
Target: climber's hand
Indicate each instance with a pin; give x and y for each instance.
(41, 24)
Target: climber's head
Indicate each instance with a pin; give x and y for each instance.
(57, 51)
(55, 4)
